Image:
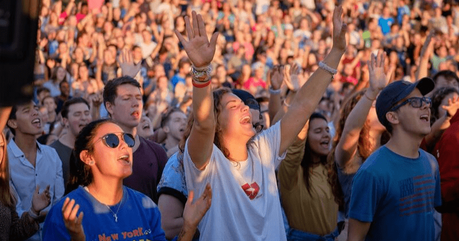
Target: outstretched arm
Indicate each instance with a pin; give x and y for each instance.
(201, 52)
(309, 95)
(347, 145)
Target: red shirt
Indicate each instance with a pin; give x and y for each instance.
(447, 153)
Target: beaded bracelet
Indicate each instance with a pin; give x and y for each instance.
(201, 74)
(272, 91)
(327, 68)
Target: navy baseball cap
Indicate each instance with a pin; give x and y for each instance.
(247, 98)
(397, 91)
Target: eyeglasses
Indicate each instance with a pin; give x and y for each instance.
(415, 102)
(112, 140)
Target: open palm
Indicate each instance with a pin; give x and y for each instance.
(339, 29)
(198, 48)
(378, 78)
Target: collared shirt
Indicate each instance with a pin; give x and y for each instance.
(24, 177)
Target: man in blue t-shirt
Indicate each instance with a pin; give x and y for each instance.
(184, 68)
(395, 191)
(385, 21)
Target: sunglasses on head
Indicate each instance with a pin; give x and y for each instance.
(415, 102)
(112, 140)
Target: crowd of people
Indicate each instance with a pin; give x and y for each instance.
(237, 120)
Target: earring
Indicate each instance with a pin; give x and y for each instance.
(91, 163)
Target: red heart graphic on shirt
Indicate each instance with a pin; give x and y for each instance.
(251, 190)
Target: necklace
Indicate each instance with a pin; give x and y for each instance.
(115, 215)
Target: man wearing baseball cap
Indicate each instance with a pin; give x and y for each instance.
(396, 189)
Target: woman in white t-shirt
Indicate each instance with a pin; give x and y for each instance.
(223, 150)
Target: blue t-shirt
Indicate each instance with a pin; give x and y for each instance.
(175, 79)
(385, 24)
(138, 218)
(397, 195)
(173, 179)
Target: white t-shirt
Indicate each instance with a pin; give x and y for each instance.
(236, 214)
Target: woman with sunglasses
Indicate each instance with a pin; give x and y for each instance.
(224, 149)
(101, 159)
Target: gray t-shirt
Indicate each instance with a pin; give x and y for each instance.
(64, 153)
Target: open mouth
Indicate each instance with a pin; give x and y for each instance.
(135, 114)
(325, 143)
(246, 120)
(36, 122)
(81, 125)
(124, 159)
(146, 127)
(425, 118)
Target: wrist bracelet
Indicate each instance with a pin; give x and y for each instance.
(286, 104)
(327, 68)
(200, 84)
(201, 74)
(201, 69)
(32, 214)
(272, 91)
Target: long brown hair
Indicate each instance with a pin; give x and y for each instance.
(306, 165)
(5, 195)
(363, 147)
(364, 144)
(218, 94)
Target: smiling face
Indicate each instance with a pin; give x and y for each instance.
(28, 120)
(319, 137)
(235, 118)
(106, 161)
(127, 107)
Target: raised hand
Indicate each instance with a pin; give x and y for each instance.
(198, 48)
(193, 212)
(71, 221)
(291, 77)
(40, 200)
(339, 29)
(128, 67)
(452, 107)
(276, 75)
(378, 78)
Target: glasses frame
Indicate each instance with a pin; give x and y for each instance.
(413, 102)
(119, 137)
